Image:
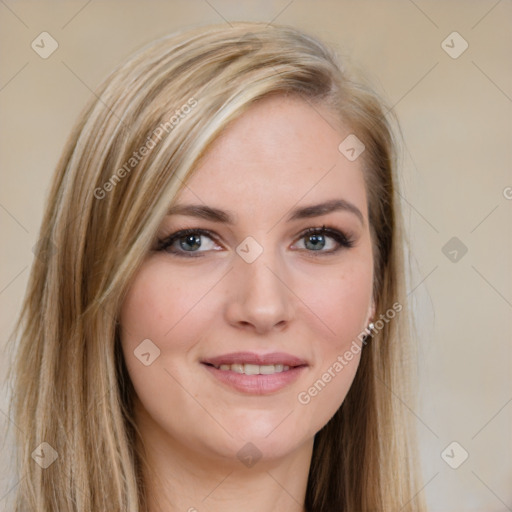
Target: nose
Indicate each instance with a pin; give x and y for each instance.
(258, 297)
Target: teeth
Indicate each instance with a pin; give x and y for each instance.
(251, 369)
(268, 369)
(238, 368)
(254, 369)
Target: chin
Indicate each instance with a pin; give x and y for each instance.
(267, 435)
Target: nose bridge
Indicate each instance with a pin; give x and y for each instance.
(260, 275)
(259, 296)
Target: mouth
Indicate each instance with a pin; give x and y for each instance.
(252, 369)
(253, 373)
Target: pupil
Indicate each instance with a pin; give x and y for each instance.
(316, 241)
(193, 241)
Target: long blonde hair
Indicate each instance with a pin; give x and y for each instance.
(71, 388)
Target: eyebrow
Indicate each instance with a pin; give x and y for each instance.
(307, 212)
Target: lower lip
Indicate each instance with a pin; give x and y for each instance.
(256, 384)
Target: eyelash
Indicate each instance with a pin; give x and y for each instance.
(338, 236)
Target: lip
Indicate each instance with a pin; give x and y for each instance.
(259, 359)
(256, 384)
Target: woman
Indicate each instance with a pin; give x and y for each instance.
(215, 318)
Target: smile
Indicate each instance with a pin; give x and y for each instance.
(255, 374)
(253, 369)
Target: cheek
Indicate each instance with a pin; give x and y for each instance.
(339, 300)
(159, 307)
(338, 303)
(160, 302)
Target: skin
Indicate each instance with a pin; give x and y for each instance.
(292, 299)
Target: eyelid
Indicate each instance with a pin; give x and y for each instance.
(340, 237)
(344, 240)
(166, 241)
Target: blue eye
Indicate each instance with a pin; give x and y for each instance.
(316, 241)
(189, 241)
(195, 242)
(325, 240)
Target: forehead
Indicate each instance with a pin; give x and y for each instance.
(281, 151)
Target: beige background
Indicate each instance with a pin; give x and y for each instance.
(455, 116)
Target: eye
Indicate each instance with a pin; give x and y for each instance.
(194, 242)
(188, 242)
(324, 240)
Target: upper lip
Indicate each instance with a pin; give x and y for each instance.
(253, 358)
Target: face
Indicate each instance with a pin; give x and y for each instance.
(251, 316)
